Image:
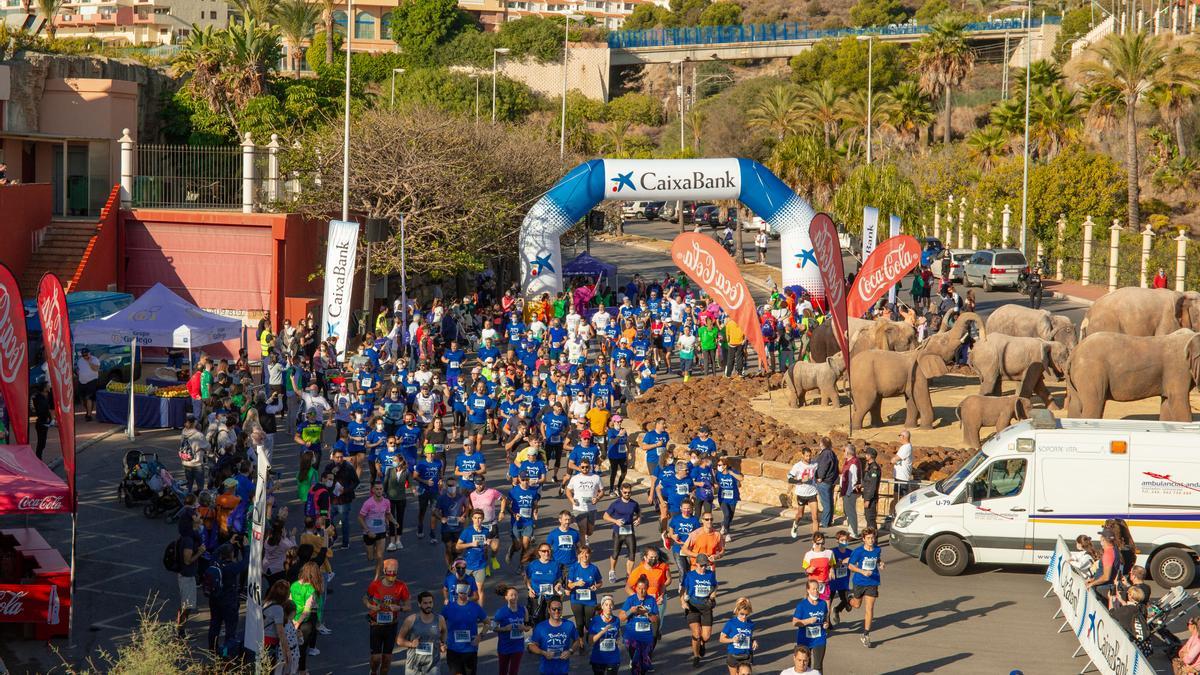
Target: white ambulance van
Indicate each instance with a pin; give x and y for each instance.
(1044, 478)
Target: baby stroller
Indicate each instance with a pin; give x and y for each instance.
(1176, 605)
(169, 499)
(141, 480)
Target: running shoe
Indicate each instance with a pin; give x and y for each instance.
(612, 576)
(399, 545)
(323, 630)
(313, 651)
(728, 537)
(433, 541)
(795, 530)
(391, 546)
(866, 640)
(695, 661)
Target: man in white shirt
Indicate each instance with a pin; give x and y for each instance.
(572, 322)
(903, 467)
(801, 662)
(678, 309)
(584, 490)
(600, 320)
(87, 367)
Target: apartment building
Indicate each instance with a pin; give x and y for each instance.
(135, 22)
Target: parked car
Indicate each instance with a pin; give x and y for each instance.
(634, 209)
(708, 214)
(994, 267)
(652, 210)
(689, 212)
(82, 306)
(957, 259)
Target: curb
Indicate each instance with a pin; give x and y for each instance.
(103, 436)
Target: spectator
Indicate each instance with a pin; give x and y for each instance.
(87, 369)
(1188, 661)
(827, 475)
(1160, 279)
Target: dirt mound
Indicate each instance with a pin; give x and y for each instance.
(724, 404)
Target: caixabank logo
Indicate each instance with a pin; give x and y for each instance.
(672, 179)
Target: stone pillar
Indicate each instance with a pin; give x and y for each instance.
(1147, 235)
(273, 168)
(949, 218)
(1180, 259)
(1005, 217)
(247, 174)
(1086, 272)
(1041, 253)
(1062, 230)
(294, 180)
(1114, 244)
(126, 169)
(937, 217)
(962, 219)
(991, 218)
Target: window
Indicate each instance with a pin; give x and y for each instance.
(212, 15)
(339, 22)
(385, 26)
(1004, 478)
(1010, 259)
(364, 26)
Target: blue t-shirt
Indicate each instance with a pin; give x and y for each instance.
(471, 463)
(564, 544)
(581, 452)
(543, 575)
(742, 634)
(476, 556)
(486, 352)
(652, 437)
(702, 481)
(409, 436)
(699, 587)
(521, 502)
(812, 635)
(839, 577)
(462, 625)
(682, 527)
(639, 627)
(606, 651)
(584, 595)
(554, 424)
(558, 335)
(603, 390)
(374, 437)
(394, 409)
(510, 629)
(430, 471)
(478, 407)
(454, 359)
(705, 446)
(454, 509)
(535, 470)
(624, 511)
(617, 444)
(388, 458)
(867, 561)
(675, 490)
(554, 639)
(728, 491)
(623, 353)
(452, 580)
(358, 437)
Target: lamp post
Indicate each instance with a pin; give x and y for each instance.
(870, 77)
(495, 54)
(346, 121)
(1025, 168)
(562, 136)
(392, 100)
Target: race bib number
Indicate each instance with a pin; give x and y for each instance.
(425, 649)
(545, 589)
(375, 524)
(565, 541)
(479, 539)
(727, 495)
(839, 573)
(525, 512)
(452, 521)
(515, 633)
(812, 632)
(702, 590)
(608, 645)
(625, 529)
(584, 594)
(642, 626)
(869, 564)
(462, 636)
(384, 617)
(741, 642)
(681, 489)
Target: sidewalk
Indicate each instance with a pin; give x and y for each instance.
(1075, 291)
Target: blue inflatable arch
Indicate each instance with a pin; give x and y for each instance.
(665, 180)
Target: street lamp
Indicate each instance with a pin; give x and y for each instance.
(495, 54)
(562, 136)
(870, 77)
(1025, 168)
(395, 71)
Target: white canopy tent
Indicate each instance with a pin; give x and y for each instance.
(159, 318)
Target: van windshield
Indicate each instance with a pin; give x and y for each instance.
(951, 482)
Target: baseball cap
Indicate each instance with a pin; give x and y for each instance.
(586, 433)
(704, 429)
(617, 418)
(702, 559)
(459, 562)
(429, 449)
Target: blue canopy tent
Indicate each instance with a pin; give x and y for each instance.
(585, 265)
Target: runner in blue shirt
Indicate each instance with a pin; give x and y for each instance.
(375, 441)
(839, 580)
(409, 435)
(463, 621)
(554, 428)
(678, 529)
(458, 575)
(450, 509)
(534, 467)
(427, 473)
(543, 578)
(729, 493)
(668, 345)
(703, 481)
(468, 464)
(811, 620)
(617, 442)
(640, 615)
(478, 406)
(564, 539)
(674, 487)
(583, 581)
(357, 442)
(487, 351)
(654, 442)
(555, 640)
(624, 514)
(558, 338)
(472, 545)
(603, 634)
(452, 361)
(509, 624)
(738, 633)
(393, 411)
(698, 597)
(865, 563)
(703, 443)
(522, 505)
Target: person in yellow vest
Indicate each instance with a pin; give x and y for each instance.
(735, 338)
(266, 340)
(383, 321)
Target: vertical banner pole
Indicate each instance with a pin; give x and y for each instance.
(130, 431)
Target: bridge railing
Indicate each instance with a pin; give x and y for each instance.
(775, 32)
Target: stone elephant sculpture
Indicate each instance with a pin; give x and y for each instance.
(1115, 367)
(999, 358)
(805, 376)
(1022, 321)
(900, 335)
(1142, 311)
(979, 410)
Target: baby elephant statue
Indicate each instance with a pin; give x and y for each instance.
(977, 410)
(805, 376)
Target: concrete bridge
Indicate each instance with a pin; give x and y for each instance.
(784, 40)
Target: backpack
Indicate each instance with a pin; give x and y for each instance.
(170, 558)
(186, 452)
(212, 581)
(310, 505)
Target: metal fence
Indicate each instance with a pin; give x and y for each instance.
(188, 177)
(772, 32)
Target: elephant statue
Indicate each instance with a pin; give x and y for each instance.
(1000, 358)
(1022, 321)
(901, 336)
(978, 410)
(805, 376)
(1117, 367)
(1142, 311)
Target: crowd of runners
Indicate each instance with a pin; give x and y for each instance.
(504, 427)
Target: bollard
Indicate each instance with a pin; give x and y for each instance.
(1180, 259)
(126, 169)
(937, 218)
(1147, 235)
(1005, 216)
(1114, 243)
(1086, 272)
(1062, 230)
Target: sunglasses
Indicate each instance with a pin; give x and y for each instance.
(556, 609)
(544, 550)
(707, 520)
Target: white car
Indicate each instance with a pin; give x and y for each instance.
(957, 259)
(633, 210)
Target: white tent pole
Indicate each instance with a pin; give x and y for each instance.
(130, 431)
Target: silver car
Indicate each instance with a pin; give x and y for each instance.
(994, 267)
(956, 259)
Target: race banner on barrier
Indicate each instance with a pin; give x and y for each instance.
(823, 234)
(340, 251)
(1103, 639)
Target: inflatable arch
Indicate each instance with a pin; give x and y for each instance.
(665, 180)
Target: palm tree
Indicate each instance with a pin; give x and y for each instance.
(48, 9)
(253, 52)
(614, 137)
(1104, 106)
(200, 59)
(944, 60)
(905, 112)
(852, 111)
(1056, 118)
(809, 166)
(1174, 102)
(295, 19)
(327, 7)
(1135, 64)
(986, 145)
(777, 111)
(258, 10)
(1042, 74)
(821, 105)
(1009, 116)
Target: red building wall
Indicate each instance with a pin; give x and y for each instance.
(25, 209)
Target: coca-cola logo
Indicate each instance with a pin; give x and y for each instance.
(58, 351)
(12, 603)
(48, 503)
(12, 347)
(702, 266)
(886, 265)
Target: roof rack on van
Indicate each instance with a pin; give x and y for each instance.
(1043, 419)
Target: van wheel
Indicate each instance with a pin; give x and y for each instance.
(1173, 567)
(947, 556)
(987, 285)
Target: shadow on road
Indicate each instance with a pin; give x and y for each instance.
(930, 666)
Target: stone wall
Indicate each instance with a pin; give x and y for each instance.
(587, 71)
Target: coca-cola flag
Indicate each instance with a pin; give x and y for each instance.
(707, 264)
(29, 603)
(14, 357)
(828, 252)
(56, 340)
(887, 265)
